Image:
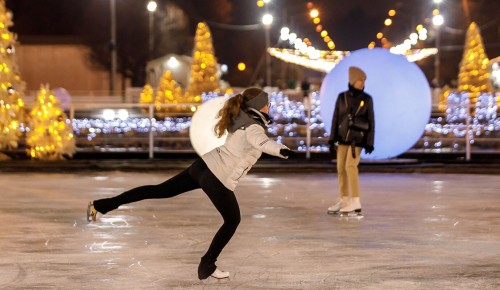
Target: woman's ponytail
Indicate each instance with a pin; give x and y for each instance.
(228, 113)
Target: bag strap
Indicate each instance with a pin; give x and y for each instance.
(347, 102)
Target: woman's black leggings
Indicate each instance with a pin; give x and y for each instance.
(196, 176)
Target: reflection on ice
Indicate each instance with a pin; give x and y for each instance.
(115, 221)
(259, 216)
(106, 191)
(437, 186)
(267, 182)
(105, 246)
(111, 221)
(104, 236)
(436, 219)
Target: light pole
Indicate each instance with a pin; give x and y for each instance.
(267, 20)
(437, 20)
(113, 47)
(465, 4)
(152, 9)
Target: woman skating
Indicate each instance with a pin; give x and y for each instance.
(245, 117)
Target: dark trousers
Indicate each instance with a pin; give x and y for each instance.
(196, 176)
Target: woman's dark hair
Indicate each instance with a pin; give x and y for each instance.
(232, 108)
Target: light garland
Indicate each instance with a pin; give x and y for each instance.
(441, 134)
(11, 86)
(484, 122)
(380, 35)
(406, 45)
(50, 136)
(303, 46)
(473, 76)
(325, 63)
(329, 59)
(314, 13)
(203, 73)
(415, 55)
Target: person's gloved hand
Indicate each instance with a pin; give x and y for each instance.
(287, 152)
(369, 149)
(333, 146)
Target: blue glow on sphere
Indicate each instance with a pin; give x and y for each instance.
(401, 98)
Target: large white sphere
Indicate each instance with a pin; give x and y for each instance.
(201, 131)
(401, 98)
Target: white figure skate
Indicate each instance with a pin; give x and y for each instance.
(342, 202)
(218, 274)
(353, 210)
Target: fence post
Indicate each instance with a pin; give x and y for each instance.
(72, 116)
(467, 134)
(307, 103)
(151, 139)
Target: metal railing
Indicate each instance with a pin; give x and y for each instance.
(320, 142)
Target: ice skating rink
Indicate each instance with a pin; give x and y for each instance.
(420, 231)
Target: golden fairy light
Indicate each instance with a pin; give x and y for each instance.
(11, 85)
(50, 136)
(203, 73)
(473, 76)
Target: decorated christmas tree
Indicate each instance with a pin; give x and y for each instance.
(203, 75)
(146, 97)
(11, 85)
(168, 93)
(50, 136)
(474, 76)
(443, 98)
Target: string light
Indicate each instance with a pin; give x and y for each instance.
(284, 130)
(241, 66)
(50, 136)
(304, 46)
(314, 14)
(11, 85)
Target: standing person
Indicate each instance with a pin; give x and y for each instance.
(245, 117)
(353, 128)
(305, 86)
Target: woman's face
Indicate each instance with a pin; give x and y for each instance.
(265, 109)
(360, 84)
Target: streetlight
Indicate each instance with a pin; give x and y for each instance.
(113, 47)
(152, 9)
(267, 20)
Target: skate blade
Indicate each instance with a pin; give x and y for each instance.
(91, 213)
(351, 215)
(214, 280)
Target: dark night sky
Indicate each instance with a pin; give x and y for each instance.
(352, 24)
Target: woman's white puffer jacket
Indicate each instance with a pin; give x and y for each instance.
(240, 152)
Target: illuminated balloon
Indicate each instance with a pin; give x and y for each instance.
(201, 131)
(401, 98)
